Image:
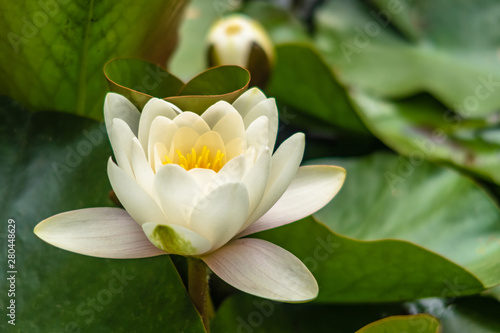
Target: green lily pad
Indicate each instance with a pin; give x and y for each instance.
(53, 52)
(394, 49)
(421, 323)
(139, 81)
(354, 271)
(55, 162)
(396, 229)
(422, 128)
(302, 79)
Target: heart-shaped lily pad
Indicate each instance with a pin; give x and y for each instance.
(140, 80)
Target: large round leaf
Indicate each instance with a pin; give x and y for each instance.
(53, 51)
(396, 229)
(446, 47)
(54, 162)
(418, 202)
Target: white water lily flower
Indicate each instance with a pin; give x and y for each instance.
(194, 185)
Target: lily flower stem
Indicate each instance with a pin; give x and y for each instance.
(199, 274)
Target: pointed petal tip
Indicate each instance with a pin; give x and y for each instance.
(112, 96)
(97, 232)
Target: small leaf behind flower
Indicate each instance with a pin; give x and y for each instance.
(139, 80)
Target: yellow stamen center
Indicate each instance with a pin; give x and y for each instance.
(201, 160)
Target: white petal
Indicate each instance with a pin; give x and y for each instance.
(204, 178)
(257, 133)
(175, 239)
(177, 192)
(248, 100)
(138, 203)
(219, 215)
(234, 148)
(192, 120)
(216, 112)
(159, 156)
(311, 189)
(141, 167)
(184, 140)
(265, 108)
(230, 127)
(256, 181)
(213, 141)
(232, 172)
(162, 131)
(121, 141)
(154, 108)
(284, 166)
(263, 269)
(117, 106)
(97, 232)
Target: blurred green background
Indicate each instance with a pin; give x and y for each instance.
(405, 94)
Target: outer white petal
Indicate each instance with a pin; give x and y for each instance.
(256, 181)
(138, 203)
(121, 141)
(117, 106)
(248, 100)
(219, 215)
(265, 108)
(284, 166)
(177, 192)
(263, 269)
(216, 112)
(311, 189)
(175, 239)
(97, 232)
(154, 108)
(232, 172)
(141, 167)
